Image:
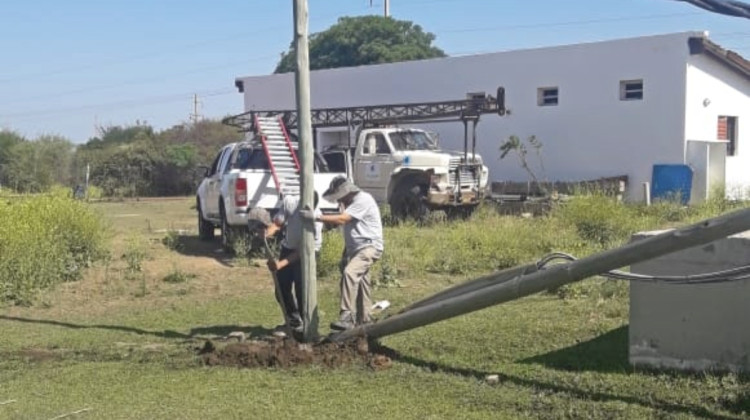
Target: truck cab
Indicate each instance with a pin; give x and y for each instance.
(406, 169)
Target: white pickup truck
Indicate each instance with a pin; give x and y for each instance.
(239, 180)
(406, 169)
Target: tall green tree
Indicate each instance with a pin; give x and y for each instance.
(8, 141)
(35, 166)
(356, 41)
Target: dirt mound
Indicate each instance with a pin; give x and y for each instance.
(285, 353)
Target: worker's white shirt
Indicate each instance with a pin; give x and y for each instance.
(366, 228)
(287, 214)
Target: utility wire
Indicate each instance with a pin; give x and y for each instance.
(177, 97)
(173, 50)
(722, 276)
(142, 80)
(485, 29)
(724, 7)
(568, 23)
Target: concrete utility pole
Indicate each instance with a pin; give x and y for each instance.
(386, 7)
(304, 130)
(195, 116)
(515, 283)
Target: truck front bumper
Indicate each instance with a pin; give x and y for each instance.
(442, 199)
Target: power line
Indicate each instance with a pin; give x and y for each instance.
(494, 28)
(178, 97)
(142, 80)
(568, 23)
(159, 53)
(724, 7)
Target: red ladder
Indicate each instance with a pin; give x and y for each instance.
(282, 159)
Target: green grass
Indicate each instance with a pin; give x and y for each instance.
(98, 344)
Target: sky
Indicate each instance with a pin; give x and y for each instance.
(68, 67)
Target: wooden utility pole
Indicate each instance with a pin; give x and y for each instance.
(304, 130)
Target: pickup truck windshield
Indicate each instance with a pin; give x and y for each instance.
(412, 140)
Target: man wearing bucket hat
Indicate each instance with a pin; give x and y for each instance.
(287, 268)
(363, 239)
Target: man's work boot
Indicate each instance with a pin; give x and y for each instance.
(345, 322)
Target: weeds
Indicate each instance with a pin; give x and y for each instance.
(134, 255)
(172, 240)
(177, 276)
(387, 276)
(44, 240)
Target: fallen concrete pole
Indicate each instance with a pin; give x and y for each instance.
(472, 285)
(555, 276)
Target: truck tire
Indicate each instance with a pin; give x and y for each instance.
(205, 227)
(227, 240)
(408, 202)
(461, 213)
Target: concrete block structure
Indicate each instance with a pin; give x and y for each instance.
(692, 327)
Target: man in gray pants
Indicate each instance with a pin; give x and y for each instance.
(363, 239)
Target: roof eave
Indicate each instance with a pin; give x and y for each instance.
(734, 61)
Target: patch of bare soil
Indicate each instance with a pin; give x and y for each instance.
(287, 353)
(36, 355)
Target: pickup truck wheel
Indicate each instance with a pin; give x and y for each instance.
(205, 228)
(227, 242)
(408, 202)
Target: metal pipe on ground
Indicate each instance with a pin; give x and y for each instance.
(558, 275)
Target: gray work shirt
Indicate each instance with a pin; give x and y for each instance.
(365, 229)
(287, 214)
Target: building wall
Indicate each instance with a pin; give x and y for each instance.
(728, 94)
(590, 134)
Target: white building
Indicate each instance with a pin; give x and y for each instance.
(599, 109)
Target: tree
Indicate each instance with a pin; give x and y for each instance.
(137, 161)
(35, 166)
(8, 141)
(515, 144)
(356, 41)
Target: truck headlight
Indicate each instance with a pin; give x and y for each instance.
(438, 180)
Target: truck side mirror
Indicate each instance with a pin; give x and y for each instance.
(501, 101)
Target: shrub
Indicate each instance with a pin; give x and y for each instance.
(598, 219)
(45, 240)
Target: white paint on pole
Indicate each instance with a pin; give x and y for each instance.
(304, 129)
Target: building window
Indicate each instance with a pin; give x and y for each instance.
(727, 130)
(631, 90)
(547, 96)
